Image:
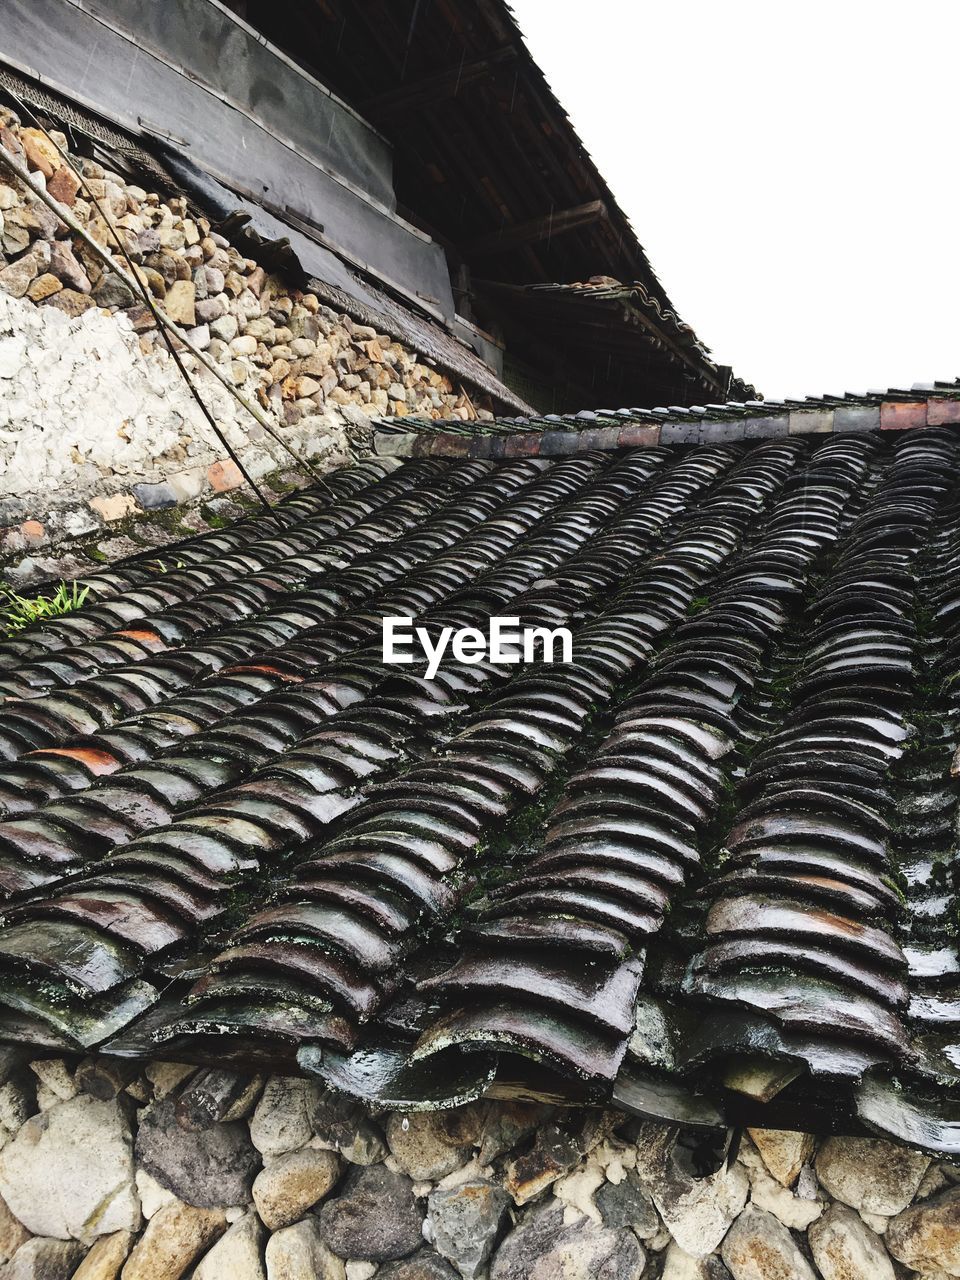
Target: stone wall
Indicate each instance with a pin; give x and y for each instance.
(95, 422)
(171, 1171)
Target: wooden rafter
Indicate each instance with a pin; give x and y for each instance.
(536, 230)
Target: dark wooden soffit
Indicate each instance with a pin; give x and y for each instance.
(484, 151)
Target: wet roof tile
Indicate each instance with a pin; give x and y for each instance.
(719, 838)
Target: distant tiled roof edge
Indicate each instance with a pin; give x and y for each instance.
(555, 435)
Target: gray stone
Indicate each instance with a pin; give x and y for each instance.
(869, 1174)
(759, 1247)
(113, 291)
(553, 1154)
(64, 265)
(466, 1221)
(14, 236)
(926, 1237)
(18, 276)
(155, 497)
(299, 1253)
(375, 1220)
(43, 1259)
(422, 1266)
(210, 309)
(222, 327)
(844, 1247)
(508, 1123)
(284, 1116)
(200, 336)
(344, 1125)
(209, 1168)
(627, 1204)
(541, 1248)
(421, 1145)
(696, 1211)
(356, 416)
(149, 241)
(69, 1171)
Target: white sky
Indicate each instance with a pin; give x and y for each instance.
(790, 169)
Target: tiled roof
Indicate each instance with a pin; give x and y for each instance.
(703, 872)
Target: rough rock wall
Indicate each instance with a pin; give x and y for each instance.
(172, 1171)
(95, 422)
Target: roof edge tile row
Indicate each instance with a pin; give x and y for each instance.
(557, 436)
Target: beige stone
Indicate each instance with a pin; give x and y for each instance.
(696, 1211)
(678, 1265)
(793, 1211)
(844, 1248)
(40, 152)
(421, 1145)
(305, 387)
(69, 1171)
(759, 1247)
(105, 1259)
(43, 287)
(284, 1116)
(56, 1075)
(870, 1174)
(292, 1184)
(783, 1152)
(166, 1076)
(71, 302)
(174, 1239)
(926, 1237)
(17, 278)
(298, 1253)
(237, 1255)
(180, 303)
(12, 1233)
(153, 1197)
(114, 507)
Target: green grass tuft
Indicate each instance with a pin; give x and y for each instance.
(18, 612)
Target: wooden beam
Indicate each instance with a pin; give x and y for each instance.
(536, 230)
(436, 88)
